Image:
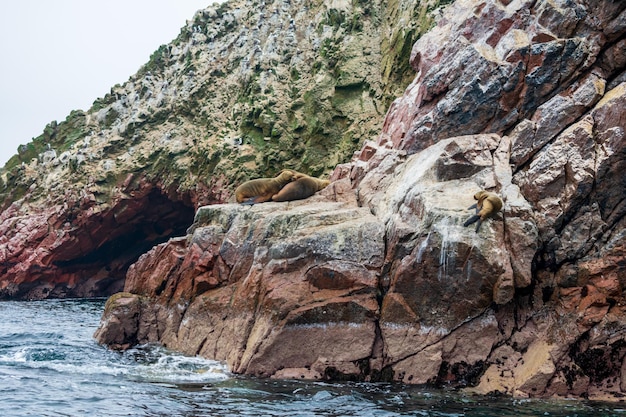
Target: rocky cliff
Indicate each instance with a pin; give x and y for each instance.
(375, 277)
(248, 87)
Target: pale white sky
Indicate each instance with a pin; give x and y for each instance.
(61, 55)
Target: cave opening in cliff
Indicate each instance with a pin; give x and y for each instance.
(131, 229)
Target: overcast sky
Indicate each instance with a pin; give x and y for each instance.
(60, 55)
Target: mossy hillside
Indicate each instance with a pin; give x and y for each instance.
(57, 138)
(301, 136)
(242, 92)
(313, 133)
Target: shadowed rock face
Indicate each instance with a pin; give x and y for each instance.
(86, 253)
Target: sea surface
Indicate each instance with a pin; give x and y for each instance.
(50, 365)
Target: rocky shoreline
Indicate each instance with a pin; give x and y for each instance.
(389, 285)
(375, 278)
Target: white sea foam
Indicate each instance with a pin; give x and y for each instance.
(152, 364)
(18, 356)
(161, 365)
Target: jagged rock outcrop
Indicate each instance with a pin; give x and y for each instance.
(375, 278)
(248, 87)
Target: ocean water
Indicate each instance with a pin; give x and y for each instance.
(51, 366)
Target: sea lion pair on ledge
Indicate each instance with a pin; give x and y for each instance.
(288, 185)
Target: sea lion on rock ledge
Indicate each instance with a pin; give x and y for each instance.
(303, 187)
(261, 190)
(487, 205)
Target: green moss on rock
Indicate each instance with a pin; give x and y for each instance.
(304, 102)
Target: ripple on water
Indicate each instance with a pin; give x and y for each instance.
(51, 366)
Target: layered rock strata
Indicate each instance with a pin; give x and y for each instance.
(248, 88)
(375, 278)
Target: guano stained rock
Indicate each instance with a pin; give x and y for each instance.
(525, 98)
(247, 88)
(374, 277)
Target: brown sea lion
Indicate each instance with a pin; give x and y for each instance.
(261, 190)
(303, 187)
(487, 205)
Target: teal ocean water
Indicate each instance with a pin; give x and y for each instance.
(51, 366)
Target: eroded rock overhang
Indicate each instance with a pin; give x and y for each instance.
(82, 247)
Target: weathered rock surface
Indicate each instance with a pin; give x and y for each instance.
(249, 87)
(82, 248)
(375, 277)
(298, 289)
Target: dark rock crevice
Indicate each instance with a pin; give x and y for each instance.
(152, 220)
(94, 250)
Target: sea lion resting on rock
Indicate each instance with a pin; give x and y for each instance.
(261, 190)
(303, 187)
(487, 205)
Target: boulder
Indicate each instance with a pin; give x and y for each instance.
(253, 285)
(372, 286)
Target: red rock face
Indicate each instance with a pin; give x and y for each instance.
(383, 282)
(268, 289)
(82, 248)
